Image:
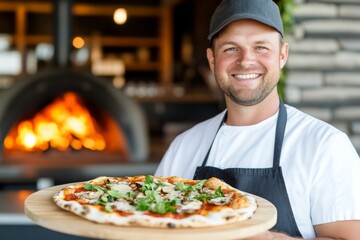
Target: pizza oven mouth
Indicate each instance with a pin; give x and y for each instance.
(68, 126)
(63, 124)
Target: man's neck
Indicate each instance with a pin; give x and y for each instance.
(239, 115)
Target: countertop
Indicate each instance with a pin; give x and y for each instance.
(12, 200)
(12, 207)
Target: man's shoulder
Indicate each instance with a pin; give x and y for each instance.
(308, 122)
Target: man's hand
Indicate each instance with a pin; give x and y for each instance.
(327, 231)
(271, 236)
(279, 236)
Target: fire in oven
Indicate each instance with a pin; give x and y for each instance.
(65, 126)
(69, 126)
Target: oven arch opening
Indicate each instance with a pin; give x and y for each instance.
(47, 85)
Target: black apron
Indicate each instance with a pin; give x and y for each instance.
(267, 183)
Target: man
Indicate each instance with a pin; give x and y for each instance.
(307, 168)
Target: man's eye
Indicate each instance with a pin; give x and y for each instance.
(232, 49)
(261, 48)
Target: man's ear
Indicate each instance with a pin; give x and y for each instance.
(284, 53)
(210, 58)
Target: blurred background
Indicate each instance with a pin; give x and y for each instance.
(90, 87)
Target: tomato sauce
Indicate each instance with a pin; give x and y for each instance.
(124, 214)
(70, 197)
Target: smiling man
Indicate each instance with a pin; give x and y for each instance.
(307, 168)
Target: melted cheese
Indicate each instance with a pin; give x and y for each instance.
(122, 205)
(192, 206)
(121, 187)
(174, 195)
(89, 197)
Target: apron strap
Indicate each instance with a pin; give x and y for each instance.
(208, 152)
(279, 135)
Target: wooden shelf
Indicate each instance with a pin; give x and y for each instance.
(142, 66)
(128, 41)
(162, 42)
(99, 10)
(33, 7)
(193, 96)
(36, 39)
(107, 41)
(82, 9)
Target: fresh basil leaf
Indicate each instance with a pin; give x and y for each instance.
(189, 188)
(104, 198)
(148, 179)
(157, 196)
(152, 196)
(160, 208)
(89, 187)
(203, 196)
(100, 189)
(148, 195)
(197, 186)
(110, 198)
(131, 194)
(163, 207)
(108, 208)
(116, 194)
(175, 202)
(182, 186)
(142, 205)
(160, 183)
(149, 184)
(218, 193)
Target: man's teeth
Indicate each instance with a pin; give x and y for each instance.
(247, 76)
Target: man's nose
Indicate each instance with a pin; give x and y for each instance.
(246, 58)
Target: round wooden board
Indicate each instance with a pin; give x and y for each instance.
(41, 209)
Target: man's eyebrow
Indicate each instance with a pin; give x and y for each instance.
(262, 42)
(256, 42)
(229, 43)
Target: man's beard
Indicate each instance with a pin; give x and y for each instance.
(248, 97)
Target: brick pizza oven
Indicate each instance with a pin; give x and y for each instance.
(116, 145)
(119, 121)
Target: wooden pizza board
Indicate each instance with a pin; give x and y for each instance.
(41, 209)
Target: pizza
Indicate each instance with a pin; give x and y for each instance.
(153, 201)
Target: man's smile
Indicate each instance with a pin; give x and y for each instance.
(246, 76)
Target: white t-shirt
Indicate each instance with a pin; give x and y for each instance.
(321, 168)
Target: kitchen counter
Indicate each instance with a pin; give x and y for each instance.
(18, 182)
(15, 225)
(12, 207)
(12, 198)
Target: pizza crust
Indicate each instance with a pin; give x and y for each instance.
(241, 207)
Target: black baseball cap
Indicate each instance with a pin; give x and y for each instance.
(264, 11)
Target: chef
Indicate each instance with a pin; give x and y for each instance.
(307, 168)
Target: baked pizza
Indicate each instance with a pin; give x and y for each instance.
(152, 201)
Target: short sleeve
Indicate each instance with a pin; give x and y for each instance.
(335, 192)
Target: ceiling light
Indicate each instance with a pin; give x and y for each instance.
(120, 16)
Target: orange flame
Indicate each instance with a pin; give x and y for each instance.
(65, 123)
